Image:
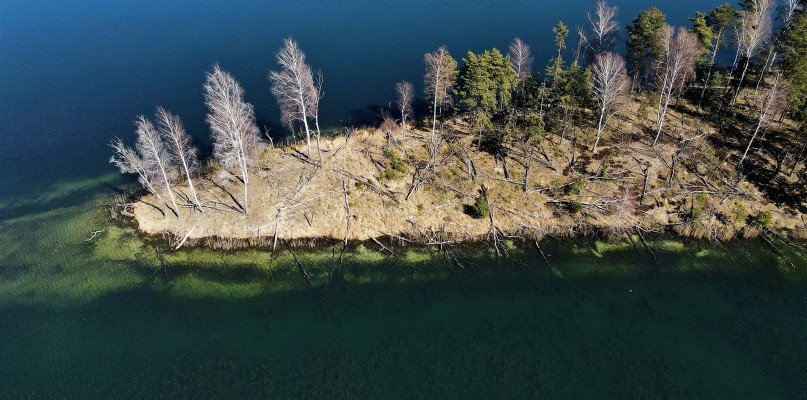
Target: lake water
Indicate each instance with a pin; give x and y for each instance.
(105, 319)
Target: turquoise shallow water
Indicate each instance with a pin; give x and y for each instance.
(106, 320)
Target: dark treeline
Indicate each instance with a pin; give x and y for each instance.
(667, 89)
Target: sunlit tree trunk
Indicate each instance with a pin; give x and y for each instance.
(405, 96)
(677, 67)
(171, 130)
(439, 78)
(609, 88)
(770, 102)
(232, 122)
(296, 92)
(151, 147)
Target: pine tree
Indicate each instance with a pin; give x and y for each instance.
(644, 45)
(561, 32)
(795, 66)
(721, 21)
(706, 36)
(484, 86)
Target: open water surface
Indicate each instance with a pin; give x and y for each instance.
(107, 319)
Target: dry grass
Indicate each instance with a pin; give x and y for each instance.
(698, 194)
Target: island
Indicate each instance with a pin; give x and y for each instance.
(661, 140)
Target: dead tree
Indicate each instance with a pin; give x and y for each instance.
(296, 92)
(315, 94)
(753, 32)
(675, 69)
(602, 30)
(609, 88)
(181, 149)
(156, 159)
(439, 79)
(769, 102)
(129, 161)
(406, 94)
(521, 60)
(789, 10)
(236, 139)
(387, 126)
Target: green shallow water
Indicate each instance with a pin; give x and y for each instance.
(104, 320)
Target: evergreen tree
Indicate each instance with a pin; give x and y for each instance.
(706, 35)
(473, 85)
(644, 45)
(746, 5)
(561, 32)
(555, 66)
(530, 96)
(570, 95)
(706, 38)
(484, 86)
(485, 81)
(795, 65)
(722, 19)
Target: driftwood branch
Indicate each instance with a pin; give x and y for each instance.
(93, 235)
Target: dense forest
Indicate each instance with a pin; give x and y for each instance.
(662, 138)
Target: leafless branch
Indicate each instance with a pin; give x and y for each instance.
(610, 87)
(295, 90)
(236, 137)
(179, 143)
(406, 94)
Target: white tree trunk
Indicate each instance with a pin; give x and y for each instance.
(759, 124)
(316, 123)
(190, 186)
(599, 129)
(661, 120)
(303, 111)
(739, 85)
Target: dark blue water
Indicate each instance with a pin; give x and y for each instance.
(75, 73)
(107, 319)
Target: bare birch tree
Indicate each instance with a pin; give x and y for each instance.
(406, 94)
(439, 79)
(675, 69)
(582, 44)
(387, 126)
(769, 102)
(315, 95)
(129, 161)
(232, 122)
(180, 147)
(609, 87)
(156, 159)
(520, 59)
(789, 10)
(294, 87)
(602, 30)
(754, 31)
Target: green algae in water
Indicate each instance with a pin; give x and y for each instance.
(106, 320)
